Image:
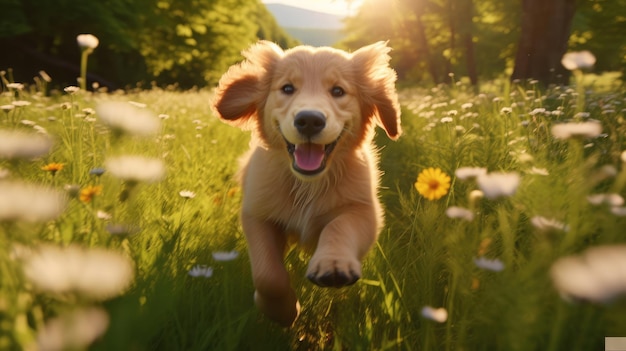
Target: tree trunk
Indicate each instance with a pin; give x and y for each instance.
(546, 26)
(467, 13)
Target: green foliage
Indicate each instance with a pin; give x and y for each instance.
(429, 37)
(188, 42)
(423, 257)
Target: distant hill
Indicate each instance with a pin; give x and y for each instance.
(309, 27)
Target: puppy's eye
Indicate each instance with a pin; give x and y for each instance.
(337, 91)
(288, 89)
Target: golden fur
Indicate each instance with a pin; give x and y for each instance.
(311, 170)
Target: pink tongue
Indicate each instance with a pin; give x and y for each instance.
(309, 157)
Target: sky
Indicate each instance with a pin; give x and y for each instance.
(336, 7)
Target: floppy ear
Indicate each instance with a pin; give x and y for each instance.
(243, 88)
(378, 91)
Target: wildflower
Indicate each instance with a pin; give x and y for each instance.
(467, 106)
(547, 224)
(53, 168)
(578, 60)
(491, 265)
(432, 183)
(136, 168)
(87, 194)
(187, 194)
(71, 89)
(539, 171)
(596, 275)
(609, 199)
(225, 255)
(623, 156)
(435, 314)
(92, 272)
(16, 86)
(87, 41)
(7, 108)
(465, 173)
(164, 116)
(97, 171)
(201, 271)
(21, 103)
(75, 330)
(494, 185)
(124, 117)
(582, 129)
(29, 202)
(447, 120)
(105, 216)
(506, 110)
(460, 212)
(619, 211)
(15, 144)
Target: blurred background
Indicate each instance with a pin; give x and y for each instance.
(190, 43)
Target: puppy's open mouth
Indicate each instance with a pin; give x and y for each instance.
(309, 158)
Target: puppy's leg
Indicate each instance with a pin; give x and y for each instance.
(342, 244)
(274, 295)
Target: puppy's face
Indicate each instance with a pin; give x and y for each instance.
(313, 103)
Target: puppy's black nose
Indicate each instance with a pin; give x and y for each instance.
(309, 122)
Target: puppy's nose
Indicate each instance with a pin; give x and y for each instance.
(309, 122)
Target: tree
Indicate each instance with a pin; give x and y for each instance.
(546, 28)
(187, 42)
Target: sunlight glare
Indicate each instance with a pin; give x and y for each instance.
(335, 7)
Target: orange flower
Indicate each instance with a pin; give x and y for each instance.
(53, 167)
(87, 194)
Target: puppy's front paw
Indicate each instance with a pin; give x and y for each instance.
(333, 271)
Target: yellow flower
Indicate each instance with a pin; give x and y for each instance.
(87, 194)
(53, 168)
(432, 183)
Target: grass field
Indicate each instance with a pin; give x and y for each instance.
(137, 258)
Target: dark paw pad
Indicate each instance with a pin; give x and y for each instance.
(335, 279)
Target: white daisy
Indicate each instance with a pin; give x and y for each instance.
(187, 194)
(136, 168)
(435, 314)
(29, 202)
(547, 224)
(460, 212)
(71, 89)
(578, 60)
(73, 331)
(201, 271)
(92, 272)
(582, 129)
(15, 144)
(127, 118)
(465, 173)
(597, 275)
(609, 199)
(495, 185)
(87, 41)
(225, 255)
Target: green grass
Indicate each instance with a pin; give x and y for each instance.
(422, 257)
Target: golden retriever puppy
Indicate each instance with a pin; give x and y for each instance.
(311, 173)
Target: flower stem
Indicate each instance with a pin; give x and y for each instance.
(83, 69)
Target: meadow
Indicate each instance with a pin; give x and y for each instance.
(117, 236)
